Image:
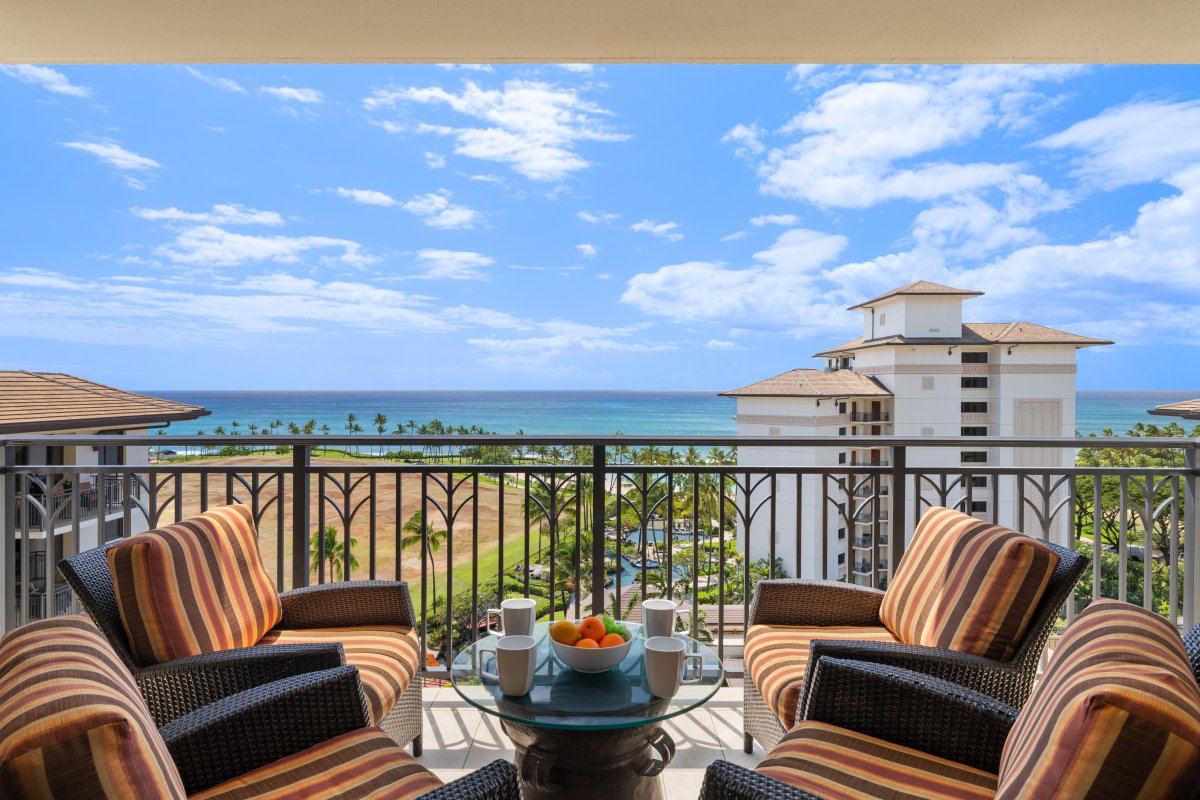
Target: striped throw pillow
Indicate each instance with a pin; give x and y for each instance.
(1116, 716)
(967, 585)
(72, 722)
(194, 587)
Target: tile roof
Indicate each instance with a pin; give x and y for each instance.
(1188, 409)
(921, 288)
(813, 383)
(51, 401)
(976, 333)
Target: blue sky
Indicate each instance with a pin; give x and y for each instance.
(393, 227)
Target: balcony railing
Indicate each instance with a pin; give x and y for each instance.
(47, 500)
(870, 416)
(578, 522)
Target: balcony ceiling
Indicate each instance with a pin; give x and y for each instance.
(163, 31)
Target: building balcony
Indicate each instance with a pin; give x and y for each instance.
(51, 500)
(870, 416)
(869, 491)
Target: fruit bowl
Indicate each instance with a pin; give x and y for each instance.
(592, 659)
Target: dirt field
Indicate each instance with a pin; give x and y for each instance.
(355, 504)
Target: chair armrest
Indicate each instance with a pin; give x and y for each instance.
(1005, 681)
(790, 601)
(1192, 643)
(175, 688)
(726, 781)
(333, 605)
(496, 781)
(250, 729)
(911, 709)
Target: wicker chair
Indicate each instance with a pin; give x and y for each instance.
(828, 603)
(175, 688)
(83, 720)
(1192, 643)
(882, 713)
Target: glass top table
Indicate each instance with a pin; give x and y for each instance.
(564, 699)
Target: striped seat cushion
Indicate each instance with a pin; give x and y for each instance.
(386, 656)
(72, 722)
(839, 764)
(1116, 715)
(198, 586)
(967, 585)
(777, 657)
(354, 766)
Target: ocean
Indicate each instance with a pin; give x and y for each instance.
(684, 413)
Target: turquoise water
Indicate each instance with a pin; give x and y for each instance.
(565, 413)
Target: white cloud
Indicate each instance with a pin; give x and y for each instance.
(221, 214)
(787, 220)
(1135, 143)
(436, 211)
(534, 127)
(115, 155)
(434, 160)
(588, 250)
(224, 84)
(777, 291)
(455, 265)
(49, 79)
(562, 342)
(663, 230)
(603, 276)
(859, 143)
(367, 197)
(733, 237)
(584, 69)
(210, 246)
(294, 94)
(468, 67)
(597, 217)
(720, 344)
(747, 140)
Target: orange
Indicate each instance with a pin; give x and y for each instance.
(592, 628)
(586, 642)
(564, 632)
(612, 640)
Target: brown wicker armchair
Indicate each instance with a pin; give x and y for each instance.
(84, 731)
(1116, 715)
(311, 636)
(843, 621)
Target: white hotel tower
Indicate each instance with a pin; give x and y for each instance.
(917, 370)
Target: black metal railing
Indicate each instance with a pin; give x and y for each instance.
(590, 524)
(869, 416)
(50, 500)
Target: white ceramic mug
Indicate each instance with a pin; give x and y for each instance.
(515, 663)
(658, 617)
(516, 617)
(665, 664)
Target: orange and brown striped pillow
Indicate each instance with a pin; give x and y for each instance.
(194, 587)
(967, 585)
(72, 722)
(1117, 714)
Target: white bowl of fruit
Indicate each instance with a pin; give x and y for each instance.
(593, 644)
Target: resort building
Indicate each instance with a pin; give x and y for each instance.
(46, 506)
(917, 370)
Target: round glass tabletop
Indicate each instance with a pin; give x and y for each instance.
(565, 699)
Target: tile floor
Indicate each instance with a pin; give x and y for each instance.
(459, 738)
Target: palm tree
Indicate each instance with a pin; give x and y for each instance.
(334, 552)
(419, 533)
(381, 425)
(219, 430)
(309, 427)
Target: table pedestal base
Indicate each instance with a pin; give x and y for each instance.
(615, 764)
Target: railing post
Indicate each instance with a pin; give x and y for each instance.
(599, 462)
(897, 527)
(1191, 537)
(301, 523)
(8, 534)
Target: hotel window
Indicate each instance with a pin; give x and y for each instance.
(841, 533)
(974, 430)
(974, 358)
(974, 407)
(841, 559)
(841, 408)
(974, 456)
(841, 431)
(979, 506)
(974, 382)
(979, 481)
(841, 458)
